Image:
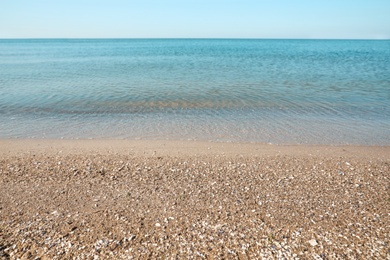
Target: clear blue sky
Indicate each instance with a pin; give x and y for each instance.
(369, 19)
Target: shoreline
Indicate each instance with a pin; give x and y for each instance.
(130, 199)
(182, 148)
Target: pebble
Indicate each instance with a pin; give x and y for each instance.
(216, 208)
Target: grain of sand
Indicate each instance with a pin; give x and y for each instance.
(113, 199)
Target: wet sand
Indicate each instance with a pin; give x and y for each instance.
(116, 199)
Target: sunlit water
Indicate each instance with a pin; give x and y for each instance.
(272, 91)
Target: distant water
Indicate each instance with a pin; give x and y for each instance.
(272, 91)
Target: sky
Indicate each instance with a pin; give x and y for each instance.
(323, 19)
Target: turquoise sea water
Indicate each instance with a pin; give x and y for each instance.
(272, 91)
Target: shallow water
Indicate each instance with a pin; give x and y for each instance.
(277, 91)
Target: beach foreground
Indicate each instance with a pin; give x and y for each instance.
(120, 199)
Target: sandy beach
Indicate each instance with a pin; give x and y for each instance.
(123, 199)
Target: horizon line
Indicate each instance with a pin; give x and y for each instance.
(185, 38)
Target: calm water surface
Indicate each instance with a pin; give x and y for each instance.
(277, 91)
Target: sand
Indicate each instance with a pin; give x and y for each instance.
(122, 199)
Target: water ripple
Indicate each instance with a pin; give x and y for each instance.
(281, 91)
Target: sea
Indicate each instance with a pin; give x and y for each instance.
(334, 92)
